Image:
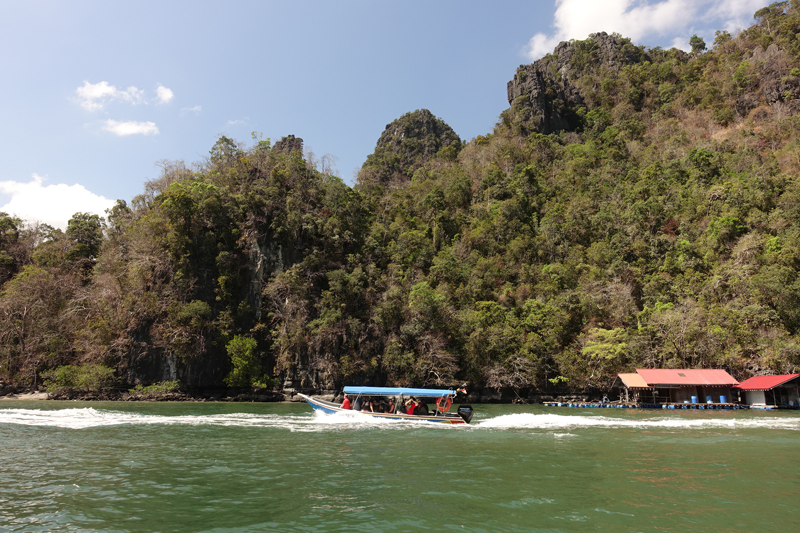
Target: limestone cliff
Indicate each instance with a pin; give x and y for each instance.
(545, 96)
(407, 144)
(288, 144)
(762, 78)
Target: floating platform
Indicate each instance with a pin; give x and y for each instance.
(770, 407)
(623, 405)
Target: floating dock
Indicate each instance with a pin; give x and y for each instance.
(623, 405)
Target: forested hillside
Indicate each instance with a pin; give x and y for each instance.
(633, 207)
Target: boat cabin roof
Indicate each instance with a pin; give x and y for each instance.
(398, 391)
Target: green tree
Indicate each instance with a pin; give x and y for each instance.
(85, 231)
(698, 44)
(246, 370)
(9, 240)
(35, 329)
(91, 377)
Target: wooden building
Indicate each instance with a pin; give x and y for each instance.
(633, 389)
(667, 385)
(771, 391)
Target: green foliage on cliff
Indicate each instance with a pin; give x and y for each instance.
(162, 387)
(84, 378)
(663, 230)
(246, 370)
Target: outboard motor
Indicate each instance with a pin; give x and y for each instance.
(466, 412)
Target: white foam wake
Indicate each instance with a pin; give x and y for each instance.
(92, 418)
(89, 418)
(315, 421)
(567, 422)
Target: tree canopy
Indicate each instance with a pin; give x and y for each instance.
(663, 229)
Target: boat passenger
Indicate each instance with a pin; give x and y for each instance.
(358, 403)
(410, 406)
(421, 408)
(367, 405)
(401, 408)
(375, 406)
(384, 406)
(346, 402)
(392, 407)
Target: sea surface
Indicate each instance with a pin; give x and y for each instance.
(222, 467)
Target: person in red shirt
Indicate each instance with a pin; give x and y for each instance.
(346, 402)
(410, 406)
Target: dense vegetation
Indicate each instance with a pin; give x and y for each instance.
(661, 228)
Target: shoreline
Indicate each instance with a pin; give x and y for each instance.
(26, 396)
(151, 397)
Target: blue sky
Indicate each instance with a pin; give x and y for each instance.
(95, 94)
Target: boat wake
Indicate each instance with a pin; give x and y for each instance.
(567, 422)
(94, 418)
(562, 425)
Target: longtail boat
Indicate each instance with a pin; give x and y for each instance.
(443, 401)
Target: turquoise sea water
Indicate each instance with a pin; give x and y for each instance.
(217, 467)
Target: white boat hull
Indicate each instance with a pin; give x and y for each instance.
(333, 408)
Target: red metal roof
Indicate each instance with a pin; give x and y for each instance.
(765, 382)
(669, 376)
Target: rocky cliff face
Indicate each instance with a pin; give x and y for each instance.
(765, 81)
(289, 144)
(407, 143)
(545, 96)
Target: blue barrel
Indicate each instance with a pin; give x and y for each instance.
(723, 399)
(694, 399)
(709, 400)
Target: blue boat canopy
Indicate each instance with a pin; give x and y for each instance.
(397, 391)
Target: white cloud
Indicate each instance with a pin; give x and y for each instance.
(93, 97)
(640, 19)
(681, 43)
(50, 204)
(238, 122)
(196, 110)
(130, 128)
(736, 14)
(164, 95)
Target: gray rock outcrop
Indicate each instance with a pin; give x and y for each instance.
(407, 143)
(545, 95)
(289, 144)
